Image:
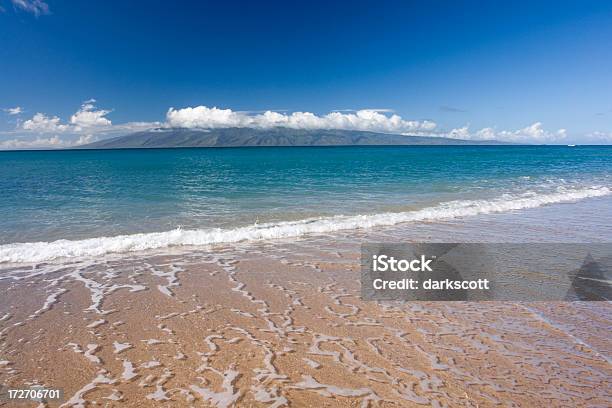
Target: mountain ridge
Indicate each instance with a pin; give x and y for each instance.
(242, 137)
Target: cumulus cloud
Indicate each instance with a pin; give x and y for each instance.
(534, 133)
(90, 123)
(38, 143)
(89, 116)
(36, 7)
(14, 111)
(366, 119)
(42, 123)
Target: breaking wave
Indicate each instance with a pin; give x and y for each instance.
(32, 252)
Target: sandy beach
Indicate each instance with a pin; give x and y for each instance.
(278, 324)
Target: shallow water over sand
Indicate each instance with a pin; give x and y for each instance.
(281, 322)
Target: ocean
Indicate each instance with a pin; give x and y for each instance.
(106, 269)
(74, 203)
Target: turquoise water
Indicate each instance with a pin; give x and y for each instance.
(50, 195)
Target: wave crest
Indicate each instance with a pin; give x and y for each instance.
(32, 252)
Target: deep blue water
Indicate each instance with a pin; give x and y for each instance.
(74, 194)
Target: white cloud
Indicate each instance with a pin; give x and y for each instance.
(38, 143)
(381, 110)
(366, 119)
(14, 111)
(85, 139)
(599, 137)
(36, 7)
(53, 142)
(124, 128)
(88, 116)
(89, 124)
(42, 123)
(533, 133)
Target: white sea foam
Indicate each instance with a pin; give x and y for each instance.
(47, 251)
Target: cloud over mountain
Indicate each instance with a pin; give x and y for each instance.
(365, 119)
(91, 123)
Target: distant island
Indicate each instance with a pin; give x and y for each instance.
(242, 137)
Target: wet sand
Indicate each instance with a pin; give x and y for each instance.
(282, 324)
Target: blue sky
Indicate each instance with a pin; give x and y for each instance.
(513, 70)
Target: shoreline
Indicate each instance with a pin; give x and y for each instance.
(36, 252)
(272, 323)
